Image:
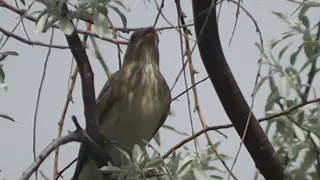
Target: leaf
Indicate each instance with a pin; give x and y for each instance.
(305, 21)
(137, 154)
(185, 165)
(121, 3)
(293, 57)
(282, 37)
(9, 53)
(7, 117)
(306, 163)
(262, 80)
(308, 47)
(281, 16)
(110, 169)
(101, 9)
(126, 155)
(174, 130)
(66, 26)
(156, 138)
(101, 24)
(310, 61)
(23, 2)
(41, 23)
(299, 133)
(153, 163)
(284, 86)
(200, 174)
(121, 15)
(283, 51)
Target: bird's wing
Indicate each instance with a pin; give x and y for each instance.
(104, 103)
(166, 112)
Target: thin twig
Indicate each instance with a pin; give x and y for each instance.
(21, 39)
(198, 109)
(38, 97)
(179, 16)
(118, 45)
(72, 137)
(226, 126)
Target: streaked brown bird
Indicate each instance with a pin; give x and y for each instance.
(133, 104)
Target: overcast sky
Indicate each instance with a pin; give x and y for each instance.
(23, 75)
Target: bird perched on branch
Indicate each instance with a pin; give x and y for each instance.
(133, 104)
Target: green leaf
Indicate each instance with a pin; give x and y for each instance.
(137, 153)
(295, 76)
(262, 80)
(313, 58)
(41, 23)
(9, 53)
(110, 169)
(185, 165)
(283, 51)
(101, 24)
(7, 117)
(23, 2)
(293, 57)
(308, 47)
(154, 163)
(306, 163)
(282, 37)
(174, 130)
(303, 10)
(121, 15)
(66, 26)
(284, 86)
(305, 21)
(281, 16)
(121, 3)
(156, 138)
(101, 9)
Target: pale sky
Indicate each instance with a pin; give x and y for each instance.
(23, 75)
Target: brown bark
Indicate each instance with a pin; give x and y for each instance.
(237, 109)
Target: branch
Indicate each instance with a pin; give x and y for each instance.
(72, 137)
(226, 126)
(236, 107)
(21, 39)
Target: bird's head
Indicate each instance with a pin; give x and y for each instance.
(143, 47)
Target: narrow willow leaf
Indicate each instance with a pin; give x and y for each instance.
(185, 165)
(305, 21)
(121, 15)
(279, 39)
(66, 26)
(313, 58)
(308, 47)
(41, 23)
(101, 9)
(101, 24)
(9, 53)
(7, 117)
(156, 138)
(283, 51)
(174, 130)
(137, 153)
(284, 87)
(23, 2)
(110, 169)
(293, 57)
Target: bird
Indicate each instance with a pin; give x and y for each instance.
(132, 105)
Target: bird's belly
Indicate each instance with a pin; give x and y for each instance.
(135, 123)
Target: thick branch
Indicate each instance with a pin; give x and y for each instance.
(236, 107)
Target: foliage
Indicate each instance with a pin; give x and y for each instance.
(297, 135)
